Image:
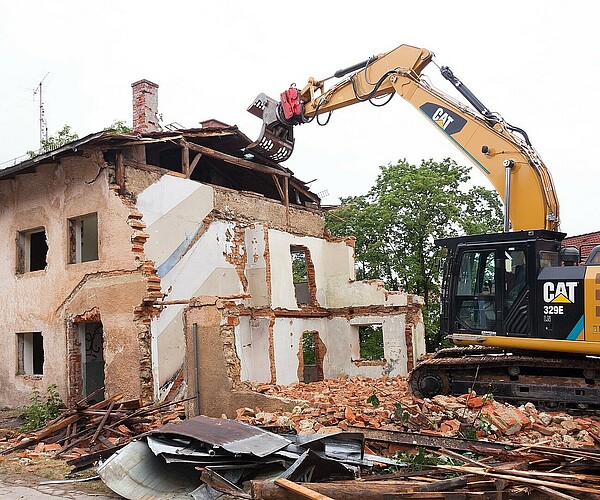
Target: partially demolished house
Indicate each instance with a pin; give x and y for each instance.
(145, 262)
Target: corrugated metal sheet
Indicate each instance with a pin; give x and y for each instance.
(233, 436)
(136, 473)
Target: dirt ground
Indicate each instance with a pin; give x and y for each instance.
(18, 470)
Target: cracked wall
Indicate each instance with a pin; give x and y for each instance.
(164, 241)
(54, 299)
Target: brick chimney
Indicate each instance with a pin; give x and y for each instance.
(145, 107)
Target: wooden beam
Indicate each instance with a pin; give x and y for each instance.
(276, 181)
(120, 173)
(306, 193)
(303, 491)
(185, 160)
(194, 164)
(366, 490)
(239, 162)
(152, 168)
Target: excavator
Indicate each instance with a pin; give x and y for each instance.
(521, 309)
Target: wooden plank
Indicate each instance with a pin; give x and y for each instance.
(428, 441)
(379, 490)
(303, 491)
(555, 494)
(85, 461)
(278, 186)
(234, 160)
(185, 160)
(41, 434)
(103, 421)
(518, 479)
(446, 484)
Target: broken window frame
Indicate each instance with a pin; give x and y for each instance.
(77, 239)
(25, 255)
(30, 354)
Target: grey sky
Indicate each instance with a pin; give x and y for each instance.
(536, 63)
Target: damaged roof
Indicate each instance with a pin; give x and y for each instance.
(214, 154)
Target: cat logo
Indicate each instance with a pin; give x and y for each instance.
(562, 292)
(442, 118)
(446, 119)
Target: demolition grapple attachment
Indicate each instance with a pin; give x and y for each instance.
(276, 140)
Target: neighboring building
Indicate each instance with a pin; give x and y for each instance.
(135, 262)
(584, 242)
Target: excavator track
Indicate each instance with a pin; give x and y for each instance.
(551, 381)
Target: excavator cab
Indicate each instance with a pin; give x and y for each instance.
(491, 286)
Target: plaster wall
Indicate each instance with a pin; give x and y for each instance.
(43, 301)
(252, 344)
(282, 284)
(215, 386)
(256, 266)
(334, 275)
(190, 254)
(340, 336)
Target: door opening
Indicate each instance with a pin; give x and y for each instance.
(92, 358)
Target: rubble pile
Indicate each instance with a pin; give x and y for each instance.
(88, 431)
(386, 403)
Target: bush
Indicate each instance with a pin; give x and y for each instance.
(42, 409)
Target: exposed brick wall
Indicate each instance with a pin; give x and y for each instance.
(74, 361)
(145, 107)
(585, 242)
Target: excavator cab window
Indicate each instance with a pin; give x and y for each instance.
(515, 275)
(476, 291)
(491, 290)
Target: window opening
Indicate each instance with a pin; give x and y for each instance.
(370, 339)
(30, 349)
(83, 239)
(300, 274)
(32, 250)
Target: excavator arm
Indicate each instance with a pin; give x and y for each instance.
(502, 152)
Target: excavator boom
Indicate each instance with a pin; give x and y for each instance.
(501, 151)
(524, 313)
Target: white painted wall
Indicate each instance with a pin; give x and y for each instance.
(252, 346)
(256, 266)
(340, 337)
(174, 210)
(334, 275)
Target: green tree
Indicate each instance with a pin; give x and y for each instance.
(397, 221)
(119, 127)
(55, 141)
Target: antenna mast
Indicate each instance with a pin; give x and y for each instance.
(43, 124)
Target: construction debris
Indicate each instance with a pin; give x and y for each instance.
(227, 454)
(351, 438)
(387, 404)
(88, 432)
